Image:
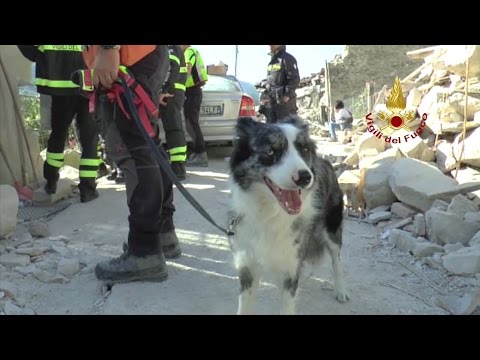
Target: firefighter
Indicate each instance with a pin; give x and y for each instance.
(172, 99)
(152, 235)
(282, 81)
(197, 77)
(55, 65)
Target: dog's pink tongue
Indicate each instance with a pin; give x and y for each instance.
(291, 200)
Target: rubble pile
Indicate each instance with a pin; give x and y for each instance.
(405, 182)
(31, 252)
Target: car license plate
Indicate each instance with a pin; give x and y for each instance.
(211, 110)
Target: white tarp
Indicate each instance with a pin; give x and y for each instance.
(15, 149)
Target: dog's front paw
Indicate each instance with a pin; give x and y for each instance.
(343, 295)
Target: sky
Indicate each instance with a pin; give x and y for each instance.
(253, 59)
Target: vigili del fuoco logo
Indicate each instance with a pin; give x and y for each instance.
(396, 117)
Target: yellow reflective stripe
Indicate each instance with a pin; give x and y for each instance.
(55, 156)
(42, 48)
(55, 163)
(190, 56)
(176, 150)
(183, 70)
(180, 86)
(178, 158)
(174, 58)
(56, 83)
(89, 162)
(123, 69)
(87, 87)
(274, 67)
(87, 174)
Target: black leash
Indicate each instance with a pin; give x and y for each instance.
(162, 162)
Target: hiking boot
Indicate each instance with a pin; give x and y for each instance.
(50, 187)
(86, 196)
(199, 160)
(170, 244)
(112, 176)
(129, 267)
(179, 170)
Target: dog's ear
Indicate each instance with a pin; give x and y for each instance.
(245, 125)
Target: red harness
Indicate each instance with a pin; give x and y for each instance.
(145, 106)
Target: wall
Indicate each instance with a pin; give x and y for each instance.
(362, 63)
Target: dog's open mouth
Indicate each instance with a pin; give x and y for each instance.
(289, 199)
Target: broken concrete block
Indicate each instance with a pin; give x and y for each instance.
(38, 228)
(453, 247)
(415, 149)
(402, 240)
(433, 107)
(64, 190)
(32, 251)
(380, 208)
(68, 267)
(377, 190)
(409, 228)
(69, 172)
(27, 270)
(378, 216)
(412, 182)
(445, 160)
(445, 228)
(471, 152)
(425, 248)
(439, 205)
(368, 142)
(455, 305)
(8, 209)
(49, 278)
(414, 98)
(456, 56)
(399, 224)
(475, 240)
(472, 216)
(352, 159)
(434, 263)
(12, 260)
(9, 289)
(419, 225)
(465, 261)
(460, 205)
(402, 211)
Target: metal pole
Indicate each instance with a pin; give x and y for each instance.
(236, 59)
(328, 90)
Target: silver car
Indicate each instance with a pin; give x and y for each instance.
(224, 101)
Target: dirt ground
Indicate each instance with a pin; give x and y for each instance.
(381, 279)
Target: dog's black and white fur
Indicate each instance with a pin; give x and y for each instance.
(287, 206)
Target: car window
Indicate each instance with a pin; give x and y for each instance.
(222, 84)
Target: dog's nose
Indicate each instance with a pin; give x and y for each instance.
(303, 178)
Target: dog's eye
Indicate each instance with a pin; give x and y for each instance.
(270, 153)
(305, 150)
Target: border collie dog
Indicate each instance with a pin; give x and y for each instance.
(287, 209)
